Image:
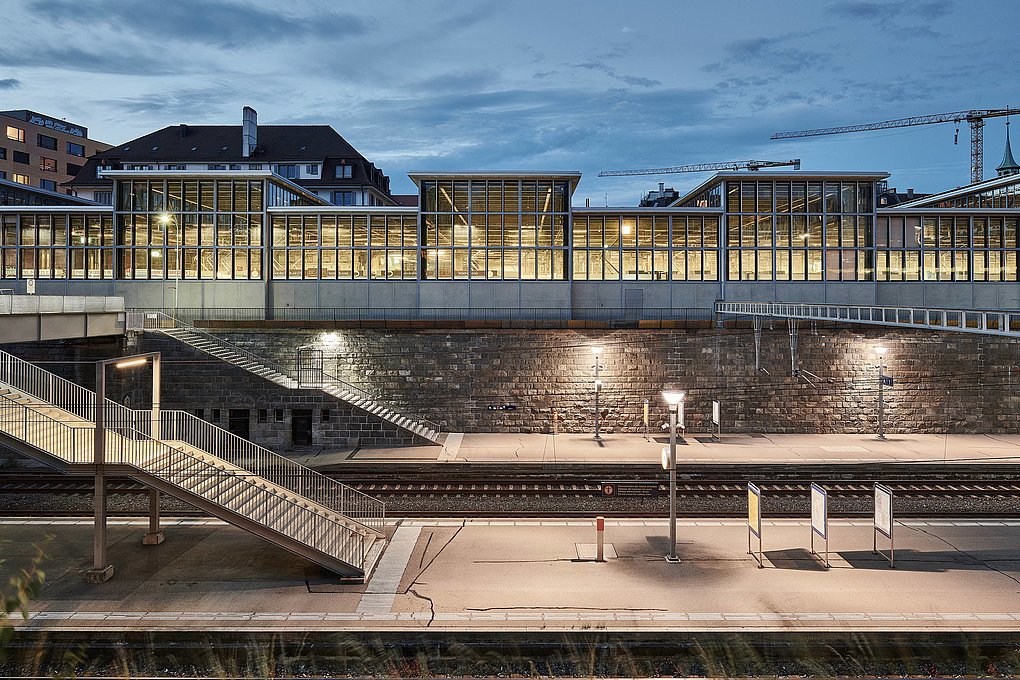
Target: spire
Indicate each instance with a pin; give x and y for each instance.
(1008, 166)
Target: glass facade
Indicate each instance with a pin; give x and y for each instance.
(345, 246)
(494, 229)
(615, 247)
(1007, 196)
(799, 230)
(64, 245)
(919, 247)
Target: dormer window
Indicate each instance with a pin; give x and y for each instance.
(312, 169)
(344, 171)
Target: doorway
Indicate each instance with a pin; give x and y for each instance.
(238, 422)
(301, 427)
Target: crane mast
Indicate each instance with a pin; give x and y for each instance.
(974, 117)
(704, 167)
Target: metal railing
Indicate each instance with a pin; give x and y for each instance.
(372, 316)
(182, 426)
(991, 322)
(162, 321)
(286, 516)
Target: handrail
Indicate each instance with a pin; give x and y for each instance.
(80, 401)
(151, 322)
(150, 455)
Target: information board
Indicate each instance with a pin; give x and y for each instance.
(754, 509)
(716, 413)
(819, 511)
(883, 510)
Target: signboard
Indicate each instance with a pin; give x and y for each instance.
(665, 458)
(754, 509)
(30, 286)
(887, 380)
(716, 413)
(819, 511)
(754, 521)
(623, 488)
(883, 510)
(644, 418)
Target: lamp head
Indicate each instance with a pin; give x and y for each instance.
(130, 363)
(596, 349)
(673, 397)
(880, 351)
(164, 219)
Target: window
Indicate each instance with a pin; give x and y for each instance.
(200, 412)
(312, 169)
(173, 166)
(103, 197)
(278, 415)
(254, 166)
(3, 174)
(216, 166)
(343, 198)
(290, 171)
(235, 166)
(48, 164)
(263, 415)
(325, 415)
(21, 179)
(21, 157)
(216, 415)
(47, 142)
(47, 184)
(3, 154)
(15, 133)
(75, 149)
(73, 169)
(344, 171)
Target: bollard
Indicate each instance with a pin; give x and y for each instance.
(600, 531)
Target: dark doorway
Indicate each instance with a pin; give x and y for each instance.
(310, 366)
(301, 426)
(238, 422)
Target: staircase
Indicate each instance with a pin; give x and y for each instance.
(52, 420)
(270, 370)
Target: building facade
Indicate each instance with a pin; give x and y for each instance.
(41, 151)
(488, 243)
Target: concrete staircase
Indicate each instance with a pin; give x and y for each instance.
(275, 372)
(294, 507)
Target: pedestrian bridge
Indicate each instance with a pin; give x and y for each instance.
(30, 318)
(986, 322)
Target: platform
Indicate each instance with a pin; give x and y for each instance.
(526, 575)
(801, 449)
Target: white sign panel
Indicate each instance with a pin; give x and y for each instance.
(819, 511)
(754, 509)
(716, 416)
(883, 510)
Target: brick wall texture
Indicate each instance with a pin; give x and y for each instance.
(521, 380)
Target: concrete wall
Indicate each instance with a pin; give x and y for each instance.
(953, 381)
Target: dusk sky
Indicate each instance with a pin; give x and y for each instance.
(536, 85)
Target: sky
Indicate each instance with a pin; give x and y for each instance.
(536, 85)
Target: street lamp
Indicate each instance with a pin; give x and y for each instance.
(675, 401)
(597, 351)
(880, 351)
(102, 571)
(165, 219)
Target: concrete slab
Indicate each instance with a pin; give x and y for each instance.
(525, 575)
(701, 448)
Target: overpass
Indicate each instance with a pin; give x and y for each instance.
(30, 318)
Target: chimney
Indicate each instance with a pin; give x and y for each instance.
(249, 131)
(184, 130)
(910, 193)
(662, 188)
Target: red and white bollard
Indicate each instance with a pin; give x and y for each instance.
(600, 540)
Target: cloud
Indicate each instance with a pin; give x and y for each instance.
(867, 10)
(769, 54)
(611, 72)
(207, 22)
(199, 103)
(69, 58)
(9, 83)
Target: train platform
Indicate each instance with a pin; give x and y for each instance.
(794, 449)
(532, 575)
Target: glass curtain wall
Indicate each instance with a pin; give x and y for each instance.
(494, 229)
(799, 231)
(56, 246)
(946, 248)
(190, 228)
(345, 246)
(622, 247)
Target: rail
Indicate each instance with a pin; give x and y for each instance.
(182, 426)
(990, 322)
(74, 443)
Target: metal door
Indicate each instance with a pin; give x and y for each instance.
(310, 371)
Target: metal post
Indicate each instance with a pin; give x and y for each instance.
(157, 430)
(598, 388)
(671, 557)
(881, 396)
(600, 539)
(155, 535)
(101, 571)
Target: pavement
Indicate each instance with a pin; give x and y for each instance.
(531, 575)
(700, 448)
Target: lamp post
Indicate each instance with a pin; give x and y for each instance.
(101, 570)
(165, 219)
(880, 351)
(597, 351)
(675, 401)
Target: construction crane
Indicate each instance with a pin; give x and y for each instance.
(975, 117)
(704, 167)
